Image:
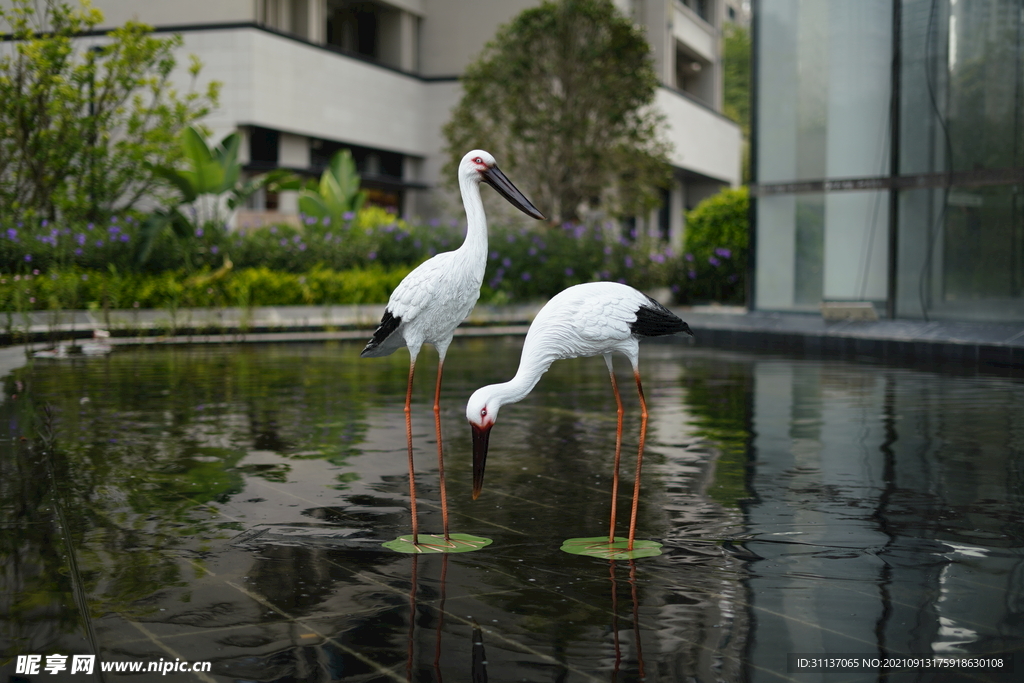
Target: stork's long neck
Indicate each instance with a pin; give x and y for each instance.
(531, 369)
(475, 245)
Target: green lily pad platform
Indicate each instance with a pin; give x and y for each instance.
(435, 543)
(598, 546)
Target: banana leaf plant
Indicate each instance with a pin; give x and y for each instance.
(337, 193)
(209, 174)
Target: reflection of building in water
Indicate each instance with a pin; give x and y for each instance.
(884, 514)
(698, 609)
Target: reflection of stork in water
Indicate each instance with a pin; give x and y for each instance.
(636, 619)
(479, 666)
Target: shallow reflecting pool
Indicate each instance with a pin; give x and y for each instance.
(227, 505)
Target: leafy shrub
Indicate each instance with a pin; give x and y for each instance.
(29, 245)
(75, 288)
(374, 236)
(714, 262)
(360, 260)
(529, 263)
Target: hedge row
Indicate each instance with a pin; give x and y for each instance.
(79, 289)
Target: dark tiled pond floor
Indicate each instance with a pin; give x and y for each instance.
(227, 505)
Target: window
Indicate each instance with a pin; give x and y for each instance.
(263, 146)
(374, 31)
(369, 162)
(665, 215)
(702, 8)
(354, 27)
(693, 75)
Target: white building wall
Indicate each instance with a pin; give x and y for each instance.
(293, 151)
(416, 7)
(279, 83)
(454, 32)
(703, 141)
(694, 33)
(176, 13)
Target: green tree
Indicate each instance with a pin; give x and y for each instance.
(736, 95)
(562, 97)
(78, 124)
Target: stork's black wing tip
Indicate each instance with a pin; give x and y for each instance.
(654, 320)
(388, 324)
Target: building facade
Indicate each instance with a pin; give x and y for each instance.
(304, 78)
(888, 145)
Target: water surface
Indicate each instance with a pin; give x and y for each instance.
(227, 504)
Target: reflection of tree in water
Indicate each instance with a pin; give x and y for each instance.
(264, 430)
(34, 580)
(718, 398)
(142, 442)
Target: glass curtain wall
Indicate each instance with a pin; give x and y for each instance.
(823, 72)
(825, 96)
(961, 248)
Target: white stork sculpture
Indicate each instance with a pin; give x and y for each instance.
(593, 319)
(433, 299)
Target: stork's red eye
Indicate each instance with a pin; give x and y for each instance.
(483, 412)
(478, 160)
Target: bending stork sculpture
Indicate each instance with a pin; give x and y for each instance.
(593, 319)
(433, 299)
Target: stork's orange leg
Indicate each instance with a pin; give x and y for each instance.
(440, 451)
(618, 451)
(639, 457)
(412, 470)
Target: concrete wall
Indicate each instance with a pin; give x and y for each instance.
(454, 32)
(178, 12)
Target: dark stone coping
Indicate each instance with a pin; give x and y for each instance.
(990, 346)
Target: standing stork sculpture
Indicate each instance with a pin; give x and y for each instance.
(593, 319)
(427, 306)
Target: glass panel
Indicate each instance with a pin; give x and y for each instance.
(856, 249)
(823, 105)
(918, 215)
(966, 262)
(961, 252)
(792, 71)
(987, 262)
(810, 243)
(984, 61)
(790, 251)
(823, 111)
(922, 87)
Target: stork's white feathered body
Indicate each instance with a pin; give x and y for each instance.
(432, 300)
(592, 319)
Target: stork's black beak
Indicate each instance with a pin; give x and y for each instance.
(480, 437)
(496, 179)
